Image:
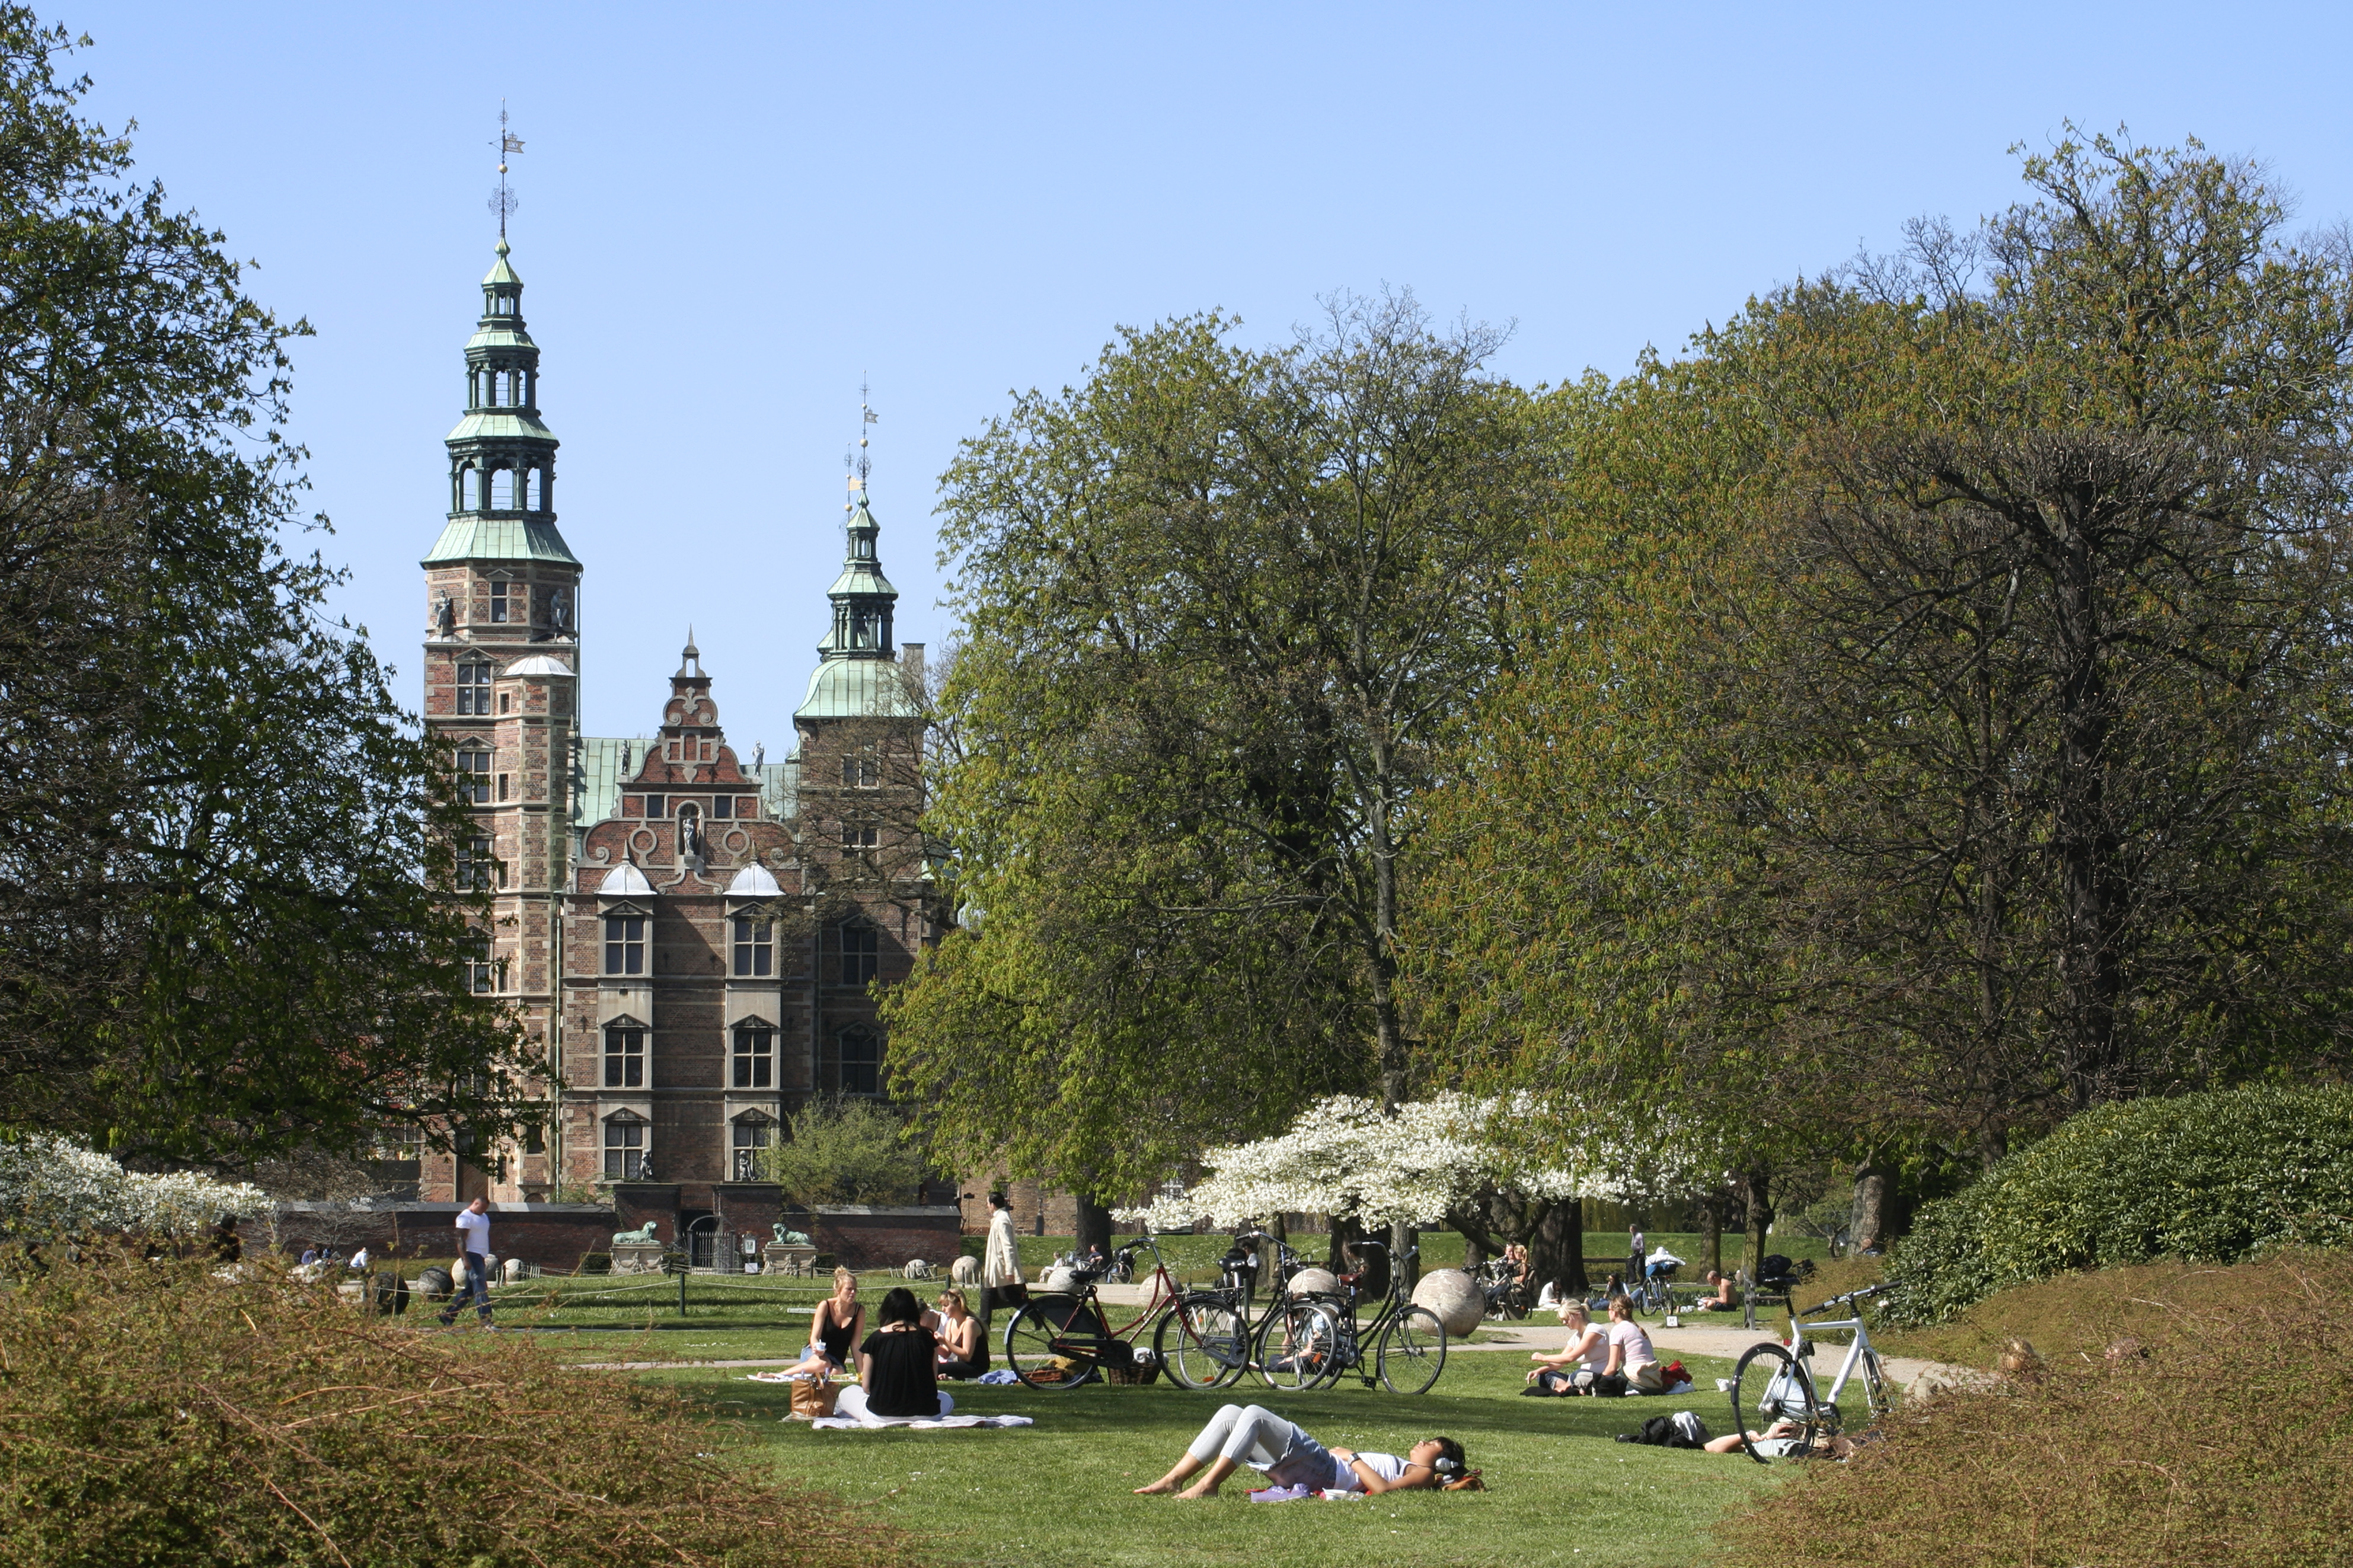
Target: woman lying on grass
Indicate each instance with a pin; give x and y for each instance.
(1254, 1435)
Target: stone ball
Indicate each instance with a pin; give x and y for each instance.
(435, 1285)
(965, 1271)
(1315, 1281)
(1061, 1276)
(1453, 1298)
(917, 1269)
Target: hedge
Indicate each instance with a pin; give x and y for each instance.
(2212, 1177)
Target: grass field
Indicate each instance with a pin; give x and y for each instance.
(1059, 1493)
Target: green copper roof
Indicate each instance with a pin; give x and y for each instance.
(502, 424)
(470, 536)
(504, 335)
(501, 272)
(596, 781)
(853, 688)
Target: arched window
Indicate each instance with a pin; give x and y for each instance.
(503, 490)
(470, 489)
(755, 1054)
(473, 686)
(514, 388)
(625, 1053)
(752, 1133)
(860, 1057)
(625, 1147)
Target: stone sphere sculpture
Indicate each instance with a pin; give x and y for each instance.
(965, 1271)
(1315, 1281)
(1453, 1298)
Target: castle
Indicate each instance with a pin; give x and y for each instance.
(687, 938)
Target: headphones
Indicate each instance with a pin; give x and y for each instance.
(1444, 1466)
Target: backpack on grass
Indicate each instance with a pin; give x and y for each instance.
(1681, 1430)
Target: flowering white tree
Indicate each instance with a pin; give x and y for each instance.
(1498, 1170)
(54, 1185)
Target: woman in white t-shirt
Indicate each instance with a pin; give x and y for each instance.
(1239, 1435)
(1579, 1361)
(1631, 1355)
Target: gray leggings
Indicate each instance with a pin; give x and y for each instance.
(1254, 1435)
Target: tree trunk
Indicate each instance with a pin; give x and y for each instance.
(1711, 1209)
(1556, 1248)
(1869, 1221)
(1094, 1226)
(1755, 1188)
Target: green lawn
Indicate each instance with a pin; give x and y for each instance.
(1057, 1493)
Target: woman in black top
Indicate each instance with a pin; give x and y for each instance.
(895, 1365)
(833, 1330)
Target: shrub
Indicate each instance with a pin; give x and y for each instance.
(2210, 1438)
(155, 1414)
(2207, 1176)
(848, 1152)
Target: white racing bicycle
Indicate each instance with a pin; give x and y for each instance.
(1775, 1382)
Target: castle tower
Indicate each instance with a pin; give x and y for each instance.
(501, 677)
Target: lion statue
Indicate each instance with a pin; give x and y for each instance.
(641, 1236)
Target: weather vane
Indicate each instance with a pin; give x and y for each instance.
(860, 465)
(502, 200)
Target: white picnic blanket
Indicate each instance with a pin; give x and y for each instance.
(917, 1423)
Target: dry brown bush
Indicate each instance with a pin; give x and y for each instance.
(150, 1413)
(2221, 1434)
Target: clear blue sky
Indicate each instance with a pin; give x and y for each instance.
(730, 214)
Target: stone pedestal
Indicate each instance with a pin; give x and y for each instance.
(776, 1257)
(637, 1258)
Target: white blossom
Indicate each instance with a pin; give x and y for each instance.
(50, 1186)
(1343, 1157)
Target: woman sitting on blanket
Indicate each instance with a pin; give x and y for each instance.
(1578, 1367)
(963, 1348)
(896, 1369)
(833, 1330)
(1254, 1435)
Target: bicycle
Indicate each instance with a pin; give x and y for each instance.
(1781, 1380)
(1506, 1294)
(1206, 1339)
(1061, 1340)
(1408, 1341)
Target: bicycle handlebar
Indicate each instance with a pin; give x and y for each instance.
(1848, 1298)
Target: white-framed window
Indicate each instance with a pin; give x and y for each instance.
(476, 969)
(751, 1133)
(625, 944)
(859, 834)
(506, 598)
(474, 688)
(755, 1055)
(474, 773)
(860, 773)
(625, 1147)
(756, 947)
(625, 1053)
(477, 865)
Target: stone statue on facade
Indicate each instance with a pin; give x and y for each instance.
(641, 1236)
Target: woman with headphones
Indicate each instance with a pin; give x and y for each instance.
(1254, 1435)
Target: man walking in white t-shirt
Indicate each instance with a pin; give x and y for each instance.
(474, 1252)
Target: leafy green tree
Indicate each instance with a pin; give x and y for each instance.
(1932, 702)
(1218, 606)
(226, 921)
(844, 1152)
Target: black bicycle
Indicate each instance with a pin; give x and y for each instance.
(1321, 1341)
(1208, 1339)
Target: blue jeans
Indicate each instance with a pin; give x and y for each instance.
(477, 1288)
(1255, 1436)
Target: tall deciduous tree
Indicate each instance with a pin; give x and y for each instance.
(1217, 606)
(1943, 723)
(226, 915)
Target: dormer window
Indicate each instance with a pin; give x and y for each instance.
(474, 688)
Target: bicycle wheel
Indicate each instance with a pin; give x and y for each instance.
(1876, 1388)
(1051, 1342)
(1412, 1351)
(1298, 1346)
(1203, 1343)
(1770, 1387)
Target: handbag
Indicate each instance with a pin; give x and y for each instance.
(813, 1397)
